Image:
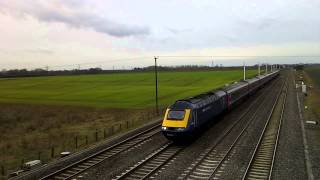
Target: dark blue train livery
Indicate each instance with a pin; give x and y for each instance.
(186, 116)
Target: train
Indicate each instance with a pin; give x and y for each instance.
(186, 116)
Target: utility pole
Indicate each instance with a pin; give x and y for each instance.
(156, 78)
(244, 71)
(266, 68)
(212, 63)
(47, 68)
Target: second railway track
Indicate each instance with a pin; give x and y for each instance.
(262, 160)
(152, 163)
(208, 164)
(82, 165)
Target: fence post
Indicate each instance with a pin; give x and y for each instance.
(3, 173)
(86, 140)
(112, 129)
(39, 155)
(104, 133)
(22, 162)
(127, 124)
(96, 135)
(120, 127)
(52, 152)
(76, 141)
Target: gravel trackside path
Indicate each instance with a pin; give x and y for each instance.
(290, 157)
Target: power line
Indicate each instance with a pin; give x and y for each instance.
(102, 62)
(245, 56)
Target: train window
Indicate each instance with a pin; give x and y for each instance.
(176, 115)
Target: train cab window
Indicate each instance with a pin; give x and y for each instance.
(176, 115)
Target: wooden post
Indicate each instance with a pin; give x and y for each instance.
(3, 173)
(156, 83)
(96, 135)
(22, 162)
(104, 133)
(86, 140)
(76, 141)
(127, 124)
(112, 129)
(52, 152)
(120, 127)
(39, 155)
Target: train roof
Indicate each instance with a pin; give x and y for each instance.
(261, 76)
(252, 80)
(211, 96)
(235, 86)
(216, 94)
(199, 100)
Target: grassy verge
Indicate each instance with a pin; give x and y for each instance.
(312, 101)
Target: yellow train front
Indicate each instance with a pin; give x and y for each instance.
(178, 123)
(185, 117)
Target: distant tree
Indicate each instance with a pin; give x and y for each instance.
(299, 67)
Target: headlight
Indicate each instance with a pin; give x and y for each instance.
(164, 128)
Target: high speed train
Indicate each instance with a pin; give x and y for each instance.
(186, 116)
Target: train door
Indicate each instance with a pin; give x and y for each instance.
(228, 96)
(195, 118)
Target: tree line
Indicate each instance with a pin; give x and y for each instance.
(45, 72)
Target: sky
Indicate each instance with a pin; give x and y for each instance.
(65, 34)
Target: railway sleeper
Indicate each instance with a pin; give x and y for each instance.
(140, 173)
(136, 176)
(264, 159)
(76, 169)
(84, 166)
(205, 167)
(59, 177)
(67, 174)
(211, 161)
(204, 170)
(201, 173)
(197, 177)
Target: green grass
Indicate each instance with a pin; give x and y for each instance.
(122, 90)
(314, 73)
(313, 78)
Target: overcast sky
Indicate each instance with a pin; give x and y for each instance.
(37, 33)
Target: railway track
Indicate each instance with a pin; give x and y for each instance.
(208, 164)
(152, 163)
(262, 160)
(82, 165)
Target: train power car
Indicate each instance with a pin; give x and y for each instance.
(186, 116)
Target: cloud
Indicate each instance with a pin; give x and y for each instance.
(178, 31)
(40, 51)
(74, 16)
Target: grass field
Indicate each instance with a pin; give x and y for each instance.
(312, 101)
(42, 112)
(313, 78)
(314, 73)
(123, 90)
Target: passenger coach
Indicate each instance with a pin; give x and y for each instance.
(186, 116)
